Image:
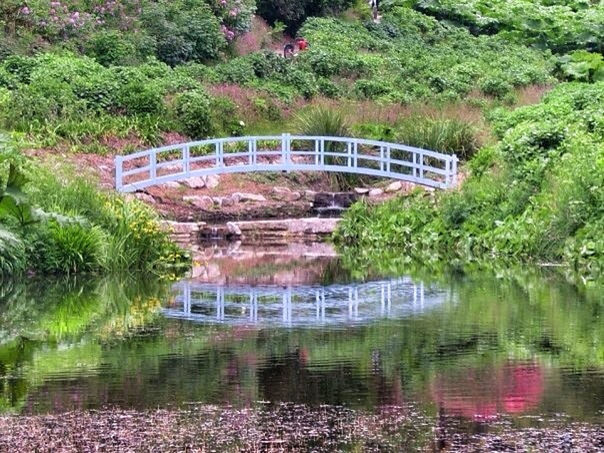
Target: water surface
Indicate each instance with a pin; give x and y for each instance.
(261, 329)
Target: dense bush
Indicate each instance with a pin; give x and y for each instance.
(538, 195)
(126, 31)
(192, 110)
(52, 222)
(294, 13)
(560, 26)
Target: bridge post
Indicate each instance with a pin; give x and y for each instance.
(356, 154)
(153, 165)
(381, 158)
(388, 159)
(316, 151)
(186, 162)
(349, 152)
(119, 183)
(454, 171)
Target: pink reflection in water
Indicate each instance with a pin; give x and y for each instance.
(482, 393)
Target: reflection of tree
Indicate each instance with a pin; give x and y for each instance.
(108, 338)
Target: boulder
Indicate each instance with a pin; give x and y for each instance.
(285, 194)
(203, 202)
(361, 190)
(309, 195)
(243, 197)
(394, 187)
(142, 196)
(212, 181)
(233, 229)
(223, 201)
(376, 192)
(195, 182)
(171, 185)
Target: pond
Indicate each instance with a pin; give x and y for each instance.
(257, 329)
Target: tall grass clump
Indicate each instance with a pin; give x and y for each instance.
(446, 135)
(324, 121)
(130, 233)
(12, 254)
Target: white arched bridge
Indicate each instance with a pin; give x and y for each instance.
(284, 153)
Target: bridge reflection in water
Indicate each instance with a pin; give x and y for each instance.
(311, 305)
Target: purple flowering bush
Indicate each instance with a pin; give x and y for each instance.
(126, 31)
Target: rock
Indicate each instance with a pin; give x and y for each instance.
(203, 202)
(142, 196)
(243, 197)
(361, 190)
(223, 201)
(375, 192)
(181, 227)
(285, 194)
(171, 185)
(195, 182)
(394, 187)
(212, 181)
(309, 195)
(233, 229)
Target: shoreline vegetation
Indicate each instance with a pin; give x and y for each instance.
(514, 89)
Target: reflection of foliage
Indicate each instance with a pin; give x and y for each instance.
(481, 324)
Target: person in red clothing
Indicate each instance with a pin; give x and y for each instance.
(302, 44)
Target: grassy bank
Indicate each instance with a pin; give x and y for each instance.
(537, 195)
(52, 222)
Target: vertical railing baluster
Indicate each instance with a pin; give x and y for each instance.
(356, 154)
(381, 158)
(119, 183)
(255, 152)
(454, 171)
(217, 151)
(388, 159)
(316, 151)
(415, 164)
(283, 149)
(323, 152)
(186, 167)
(349, 152)
(250, 151)
(153, 165)
(421, 165)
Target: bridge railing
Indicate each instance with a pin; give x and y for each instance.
(284, 153)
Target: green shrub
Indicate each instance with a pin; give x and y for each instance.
(323, 121)
(138, 98)
(193, 114)
(69, 248)
(226, 121)
(110, 48)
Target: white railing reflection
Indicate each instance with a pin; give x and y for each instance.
(302, 305)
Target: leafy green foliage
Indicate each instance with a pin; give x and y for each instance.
(583, 66)
(559, 26)
(537, 195)
(65, 225)
(12, 254)
(192, 110)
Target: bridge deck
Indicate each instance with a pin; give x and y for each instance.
(284, 153)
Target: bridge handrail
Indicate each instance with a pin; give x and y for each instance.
(420, 169)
